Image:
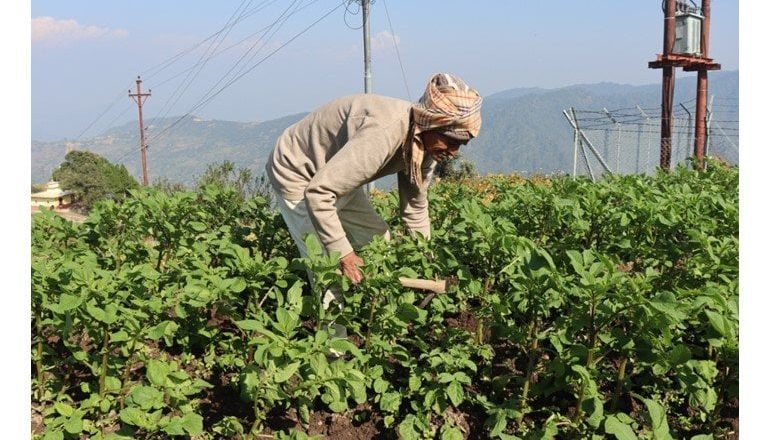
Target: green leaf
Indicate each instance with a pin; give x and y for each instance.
(407, 312)
(287, 321)
(53, 435)
(74, 425)
(157, 372)
(112, 383)
(719, 323)
(249, 324)
(197, 226)
(285, 373)
(147, 397)
(173, 426)
(165, 328)
(192, 423)
(415, 382)
(380, 385)
(118, 336)
(63, 409)
(390, 402)
(593, 407)
(680, 354)
(313, 246)
(658, 419)
(345, 346)
(66, 302)
(407, 428)
(238, 285)
(455, 393)
(621, 431)
(110, 313)
(95, 312)
(338, 406)
(499, 422)
(451, 433)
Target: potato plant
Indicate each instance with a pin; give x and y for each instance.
(580, 310)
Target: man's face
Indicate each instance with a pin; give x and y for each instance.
(440, 146)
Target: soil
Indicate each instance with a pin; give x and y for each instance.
(464, 320)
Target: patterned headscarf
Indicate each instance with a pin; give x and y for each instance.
(449, 105)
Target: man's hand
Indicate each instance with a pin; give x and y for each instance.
(349, 265)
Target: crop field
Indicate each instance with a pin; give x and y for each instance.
(580, 310)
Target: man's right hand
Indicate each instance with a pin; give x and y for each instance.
(349, 265)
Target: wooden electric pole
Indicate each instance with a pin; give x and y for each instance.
(698, 61)
(139, 98)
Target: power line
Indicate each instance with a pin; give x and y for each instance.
(202, 61)
(232, 81)
(165, 64)
(281, 19)
(109, 107)
(397, 52)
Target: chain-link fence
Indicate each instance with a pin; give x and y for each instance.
(627, 140)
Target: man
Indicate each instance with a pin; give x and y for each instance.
(320, 165)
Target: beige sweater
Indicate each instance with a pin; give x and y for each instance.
(340, 147)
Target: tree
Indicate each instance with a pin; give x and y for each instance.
(242, 180)
(167, 186)
(93, 178)
(455, 168)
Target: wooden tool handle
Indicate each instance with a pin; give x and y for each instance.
(437, 286)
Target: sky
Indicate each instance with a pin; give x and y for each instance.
(86, 55)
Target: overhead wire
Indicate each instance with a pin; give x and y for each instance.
(348, 11)
(281, 19)
(232, 81)
(160, 66)
(397, 52)
(200, 64)
(109, 107)
(147, 73)
(263, 42)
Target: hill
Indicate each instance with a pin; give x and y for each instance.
(524, 131)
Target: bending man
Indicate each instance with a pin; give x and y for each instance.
(320, 165)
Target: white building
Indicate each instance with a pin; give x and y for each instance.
(53, 197)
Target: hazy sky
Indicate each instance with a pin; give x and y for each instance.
(86, 54)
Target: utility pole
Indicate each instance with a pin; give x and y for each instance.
(366, 61)
(693, 57)
(366, 47)
(139, 98)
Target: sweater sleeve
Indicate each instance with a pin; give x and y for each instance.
(413, 201)
(354, 165)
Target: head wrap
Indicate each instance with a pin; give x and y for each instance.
(448, 105)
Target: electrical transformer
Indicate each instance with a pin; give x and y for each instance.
(688, 28)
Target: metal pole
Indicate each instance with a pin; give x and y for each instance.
(668, 83)
(688, 126)
(366, 47)
(648, 138)
(139, 97)
(366, 61)
(576, 147)
(707, 125)
(590, 144)
(618, 127)
(573, 121)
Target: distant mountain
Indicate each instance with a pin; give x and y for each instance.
(523, 131)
